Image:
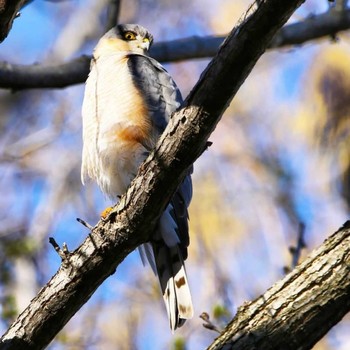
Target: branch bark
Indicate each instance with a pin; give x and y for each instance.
(132, 221)
(299, 310)
(113, 11)
(8, 12)
(17, 77)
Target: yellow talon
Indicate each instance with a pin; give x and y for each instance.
(105, 212)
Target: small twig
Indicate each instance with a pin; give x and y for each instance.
(63, 253)
(296, 250)
(208, 144)
(208, 323)
(54, 244)
(86, 224)
(65, 248)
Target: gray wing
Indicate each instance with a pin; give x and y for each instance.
(159, 90)
(162, 98)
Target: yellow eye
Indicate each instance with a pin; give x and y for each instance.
(129, 36)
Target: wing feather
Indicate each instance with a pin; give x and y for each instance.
(159, 90)
(162, 98)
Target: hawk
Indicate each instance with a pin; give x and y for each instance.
(129, 98)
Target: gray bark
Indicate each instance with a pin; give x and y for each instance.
(299, 310)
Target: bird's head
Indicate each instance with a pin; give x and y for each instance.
(126, 37)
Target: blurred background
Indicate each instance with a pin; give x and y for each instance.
(279, 166)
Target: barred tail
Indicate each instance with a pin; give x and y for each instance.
(173, 281)
(167, 252)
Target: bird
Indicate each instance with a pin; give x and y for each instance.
(128, 101)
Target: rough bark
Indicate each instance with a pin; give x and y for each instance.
(132, 220)
(300, 309)
(8, 12)
(14, 76)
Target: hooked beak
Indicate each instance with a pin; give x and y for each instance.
(145, 44)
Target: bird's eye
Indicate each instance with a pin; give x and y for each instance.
(129, 36)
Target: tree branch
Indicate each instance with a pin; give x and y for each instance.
(8, 12)
(132, 221)
(314, 27)
(112, 14)
(16, 76)
(75, 72)
(299, 310)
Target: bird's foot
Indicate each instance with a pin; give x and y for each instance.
(105, 212)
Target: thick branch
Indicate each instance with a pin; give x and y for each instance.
(314, 27)
(75, 72)
(300, 309)
(16, 76)
(8, 12)
(134, 218)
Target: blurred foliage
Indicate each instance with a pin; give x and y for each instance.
(222, 314)
(280, 156)
(179, 344)
(328, 92)
(9, 310)
(24, 246)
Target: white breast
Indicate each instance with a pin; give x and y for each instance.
(115, 126)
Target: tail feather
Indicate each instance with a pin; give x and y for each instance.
(174, 284)
(147, 256)
(183, 294)
(167, 252)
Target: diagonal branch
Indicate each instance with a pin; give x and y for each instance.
(299, 310)
(133, 219)
(16, 77)
(8, 12)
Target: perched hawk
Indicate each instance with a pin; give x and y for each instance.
(129, 98)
